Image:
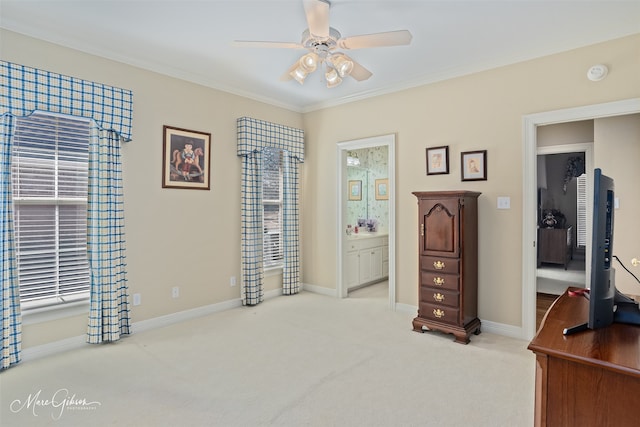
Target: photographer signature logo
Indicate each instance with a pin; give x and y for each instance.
(59, 402)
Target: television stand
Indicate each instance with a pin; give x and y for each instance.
(627, 310)
(590, 379)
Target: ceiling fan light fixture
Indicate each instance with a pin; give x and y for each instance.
(332, 77)
(342, 64)
(309, 62)
(299, 74)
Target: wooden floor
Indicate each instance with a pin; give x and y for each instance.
(543, 302)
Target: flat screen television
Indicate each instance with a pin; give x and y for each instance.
(606, 304)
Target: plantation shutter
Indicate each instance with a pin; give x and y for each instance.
(582, 211)
(272, 201)
(49, 184)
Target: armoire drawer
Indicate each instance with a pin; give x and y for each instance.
(439, 296)
(441, 264)
(439, 313)
(440, 280)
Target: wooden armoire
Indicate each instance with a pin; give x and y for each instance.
(448, 263)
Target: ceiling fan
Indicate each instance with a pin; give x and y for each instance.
(322, 42)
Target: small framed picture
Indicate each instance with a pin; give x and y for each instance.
(438, 160)
(355, 190)
(474, 165)
(382, 189)
(185, 159)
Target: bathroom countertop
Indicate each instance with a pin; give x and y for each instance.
(366, 235)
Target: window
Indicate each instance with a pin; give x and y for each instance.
(272, 207)
(49, 171)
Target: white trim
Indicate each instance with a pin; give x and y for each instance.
(529, 183)
(485, 325)
(55, 312)
(321, 290)
(341, 166)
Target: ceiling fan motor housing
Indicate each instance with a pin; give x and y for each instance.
(321, 46)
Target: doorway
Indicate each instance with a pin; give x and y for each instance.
(529, 170)
(343, 148)
(562, 219)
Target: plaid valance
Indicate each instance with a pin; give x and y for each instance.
(24, 90)
(254, 134)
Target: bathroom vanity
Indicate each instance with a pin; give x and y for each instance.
(367, 259)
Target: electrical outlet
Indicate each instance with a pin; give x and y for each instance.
(137, 299)
(175, 292)
(232, 281)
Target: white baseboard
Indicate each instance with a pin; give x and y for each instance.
(502, 329)
(181, 316)
(330, 292)
(486, 325)
(406, 308)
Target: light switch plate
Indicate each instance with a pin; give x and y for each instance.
(504, 202)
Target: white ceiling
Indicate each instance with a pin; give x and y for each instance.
(192, 40)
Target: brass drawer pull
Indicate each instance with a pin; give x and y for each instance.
(438, 297)
(438, 313)
(438, 281)
(438, 265)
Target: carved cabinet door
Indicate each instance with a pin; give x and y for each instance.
(440, 227)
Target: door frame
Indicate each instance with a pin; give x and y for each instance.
(587, 149)
(529, 190)
(341, 197)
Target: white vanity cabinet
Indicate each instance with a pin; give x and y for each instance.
(367, 260)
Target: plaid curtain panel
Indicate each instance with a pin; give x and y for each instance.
(109, 300)
(24, 90)
(11, 335)
(253, 136)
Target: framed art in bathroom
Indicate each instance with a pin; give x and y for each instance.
(382, 189)
(185, 159)
(355, 190)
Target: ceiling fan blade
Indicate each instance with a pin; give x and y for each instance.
(317, 12)
(261, 44)
(287, 76)
(359, 72)
(390, 38)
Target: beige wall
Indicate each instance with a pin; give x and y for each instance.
(186, 238)
(479, 111)
(617, 153)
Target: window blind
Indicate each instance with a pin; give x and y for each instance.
(272, 202)
(582, 211)
(49, 182)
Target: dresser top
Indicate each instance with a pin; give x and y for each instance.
(616, 347)
(448, 193)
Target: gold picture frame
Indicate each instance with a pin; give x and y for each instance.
(382, 189)
(185, 159)
(355, 190)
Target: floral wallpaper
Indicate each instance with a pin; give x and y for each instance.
(373, 165)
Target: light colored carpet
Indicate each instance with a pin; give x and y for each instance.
(302, 360)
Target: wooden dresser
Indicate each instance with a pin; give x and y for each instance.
(448, 263)
(555, 245)
(590, 378)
